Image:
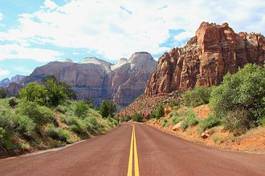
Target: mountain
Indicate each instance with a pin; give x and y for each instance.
(98, 80)
(214, 51)
(15, 79)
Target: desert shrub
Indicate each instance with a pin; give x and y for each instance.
(238, 121)
(61, 109)
(208, 123)
(244, 93)
(34, 92)
(81, 109)
(262, 121)
(7, 119)
(165, 123)
(40, 114)
(191, 119)
(113, 121)
(137, 117)
(158, 112)
(59, 134)
(197, 96)
(184, 125)
(125, 118)
(3, 93)
(2, 133)
(76, 125)
(24, 125)
(107, 109)
(12, 102)
(175, 120)
(92, 124)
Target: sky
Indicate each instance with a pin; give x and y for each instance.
(35, 32)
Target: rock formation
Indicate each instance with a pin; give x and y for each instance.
(98, 80)
(214, 51)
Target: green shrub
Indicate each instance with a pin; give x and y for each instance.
(40, 114)
(165, 123)
(238, 121)
(61, 109)
(184, 125)
(12, 102)
(34, 92)
(81, 109)
(3, 93)
(2, 133)
(242, 92)
(158, 112)
(76, 125)
(137, 117)
(197, 96)
(262, 121)
(125, 118)
(59, 134)
(107, 109)
(92, 124)
(191, 119)
(175, 120)
(208, 123)
(24, 125)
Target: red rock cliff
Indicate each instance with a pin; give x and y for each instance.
(214, 51)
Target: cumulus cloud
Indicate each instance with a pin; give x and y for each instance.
(118, 28)
(3, 72)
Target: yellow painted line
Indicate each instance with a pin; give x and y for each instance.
(136, 164)
(133, 155)
(130, 168)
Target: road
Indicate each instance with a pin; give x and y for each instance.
(142, 150)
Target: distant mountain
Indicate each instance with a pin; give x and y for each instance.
(98, 80)
(15, 79)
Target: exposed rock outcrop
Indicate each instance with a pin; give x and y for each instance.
(214, 51)
(98, 80)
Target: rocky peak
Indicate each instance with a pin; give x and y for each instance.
(214, 51)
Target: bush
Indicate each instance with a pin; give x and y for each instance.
(176, 120)
(34, 92)
(24, 125)
(40, 114)
(242, 93)
(59, 134)
(3, 93)
(208, 123)
(92, 124)
(137, 117)
(12, 102)
(81, 109)
(2, 133)
(189, 121)
(238, 121)
(165, 123)
(197, 96)
(158, 112)
(107, 109)
(76, 125)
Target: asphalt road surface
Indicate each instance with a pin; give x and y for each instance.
(139, 150)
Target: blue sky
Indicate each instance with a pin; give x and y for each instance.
(34, 32)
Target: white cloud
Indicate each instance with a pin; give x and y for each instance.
(1, 16)
(3, 72)
(50, 4)
(117, 32)
(15, 51)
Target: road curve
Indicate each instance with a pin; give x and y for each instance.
(158, 154)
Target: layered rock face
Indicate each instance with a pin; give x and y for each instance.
(214, 51)
(99, 80)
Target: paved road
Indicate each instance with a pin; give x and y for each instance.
(158, 154)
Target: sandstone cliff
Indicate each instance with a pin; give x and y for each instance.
(98, 80)
(214, 51)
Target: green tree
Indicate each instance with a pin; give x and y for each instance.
(158, 111)
(34, 92)
(57, 92)
(3, 93)
(243, 92)
(107, 108)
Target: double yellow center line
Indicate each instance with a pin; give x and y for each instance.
(133, 156)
